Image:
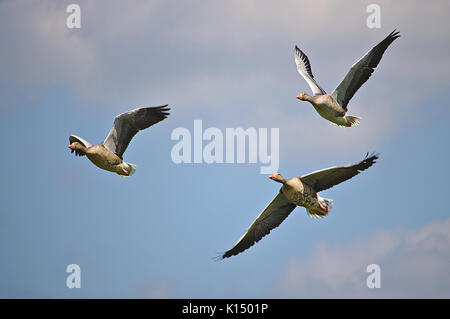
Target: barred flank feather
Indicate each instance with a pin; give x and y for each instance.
(314, 213)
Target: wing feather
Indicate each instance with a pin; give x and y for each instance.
(361, 71)
(73, 139)
(126, 125)
(329, 177)
(304, 69)
(271, 217)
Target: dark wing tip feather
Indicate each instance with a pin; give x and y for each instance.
(394, 34)
(163, 111)
(219, 257)
(388, 40)
(73, 139)
(372, 59)
(148, 116)
(163, 108)
(78, 153)
(368, 161)
(237, 250)
(302, 56)
(380, 48)
(270, 218)
(391, 37)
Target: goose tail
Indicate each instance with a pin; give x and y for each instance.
(131, 168)
(352, 120)
(323, 209)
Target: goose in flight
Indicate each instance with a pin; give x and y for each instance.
(298, 191)
(333, 107)
(108, 154)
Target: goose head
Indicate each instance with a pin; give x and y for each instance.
(303, 96)
(277, 177)
(76, 146)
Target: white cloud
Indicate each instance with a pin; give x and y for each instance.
(41, 45)
(230, 57)
(414, 264)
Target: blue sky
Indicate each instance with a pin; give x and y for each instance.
(229, 64)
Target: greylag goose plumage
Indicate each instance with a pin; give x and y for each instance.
(333, 107)
(108, 154)
(298, 191)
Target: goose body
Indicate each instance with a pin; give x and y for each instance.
(298, 191)
(329, 109)
(302, 194)
(104, 159)
(108, 154)
(333, 107)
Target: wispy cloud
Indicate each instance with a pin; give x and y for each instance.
(123, 49)
(39, 49)
(222, 57)
(414, 264)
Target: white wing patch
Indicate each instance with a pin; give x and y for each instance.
(304, 69)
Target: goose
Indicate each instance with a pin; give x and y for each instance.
(298, 191)
(333, 107)
(108, 154)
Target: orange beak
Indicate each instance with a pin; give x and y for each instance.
(272, 176)
(71, 147)
(299, 96)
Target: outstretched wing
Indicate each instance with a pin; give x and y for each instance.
(329, 177)
(126, 125)
(304, 68)
(73, 139)
(272, 216)
(361, 71)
